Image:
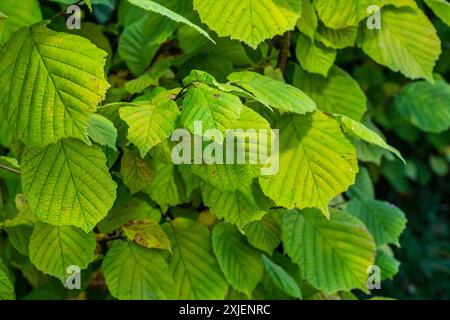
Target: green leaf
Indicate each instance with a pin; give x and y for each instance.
(281, 279)
(6, 283)
(136, 173)
(407, 42)
(389, 266)
(265, 234)
(249, 21)
(215, 109)
(68, 183)
(149, 124)
(133, 272)
(323, 160)
(50, 84)
(441, 8)
(363, 187)
(308, 21)
(147, 233)
(241, 263)
(314, 56)
(17, 14)
(102, 131)
(362, 132)
(157, 8)
(337, 93)
(337, 39)
(133, 209)
(273, 93)
(193, 265)
(53, 249)
(426, 105)
(384, 221)
(332, 254)
(238, 207)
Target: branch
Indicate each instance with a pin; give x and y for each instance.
(285, 44)
(65, 11)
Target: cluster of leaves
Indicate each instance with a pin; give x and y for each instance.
(86, 172)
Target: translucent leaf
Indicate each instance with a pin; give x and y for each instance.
(68, 183)
(332, 254)
(337, 93)
(194, 267)
(241, 263)
(17, 14)
(133, 272)
(314, 56)
(249, 21)
(50, 84)
(149, 124)
(308, 21)
(323, 160)
(54, 249)
(407, 42)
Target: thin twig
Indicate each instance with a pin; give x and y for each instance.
(65, 11)
(285, 44)
(5, 167)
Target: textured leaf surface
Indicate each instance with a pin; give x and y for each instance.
(68, 183)
(102, 131)
(194, 267)
(147, 233)
(384, 221)
(17, 14)
(241, 263)
(249, 21)
(407, 42)
(425, 105)
(337, 93)
(6, 283)
(149, 124)
(364, 133)
(265, 234)
(281, 278)
(332, 254)
(135, 171)
(214, 108)
(273, 93)
(133, 272)
(314, 56)
(322, 159)
(53, 249)
(50, 84)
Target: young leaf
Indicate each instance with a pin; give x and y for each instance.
(265, 234)
(53, 249)
(68, 183)
(249, 21)
(332, 254)
(136, 173)
(52, 80)
(193, 265)
(273, 93)
(17, 14)
(314, 56)
(240, 262)
(149, 123)
(323, 160)
(102, 131)
(133, 272)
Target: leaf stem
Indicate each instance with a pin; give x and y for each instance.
(65, 11)
(5, 167)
